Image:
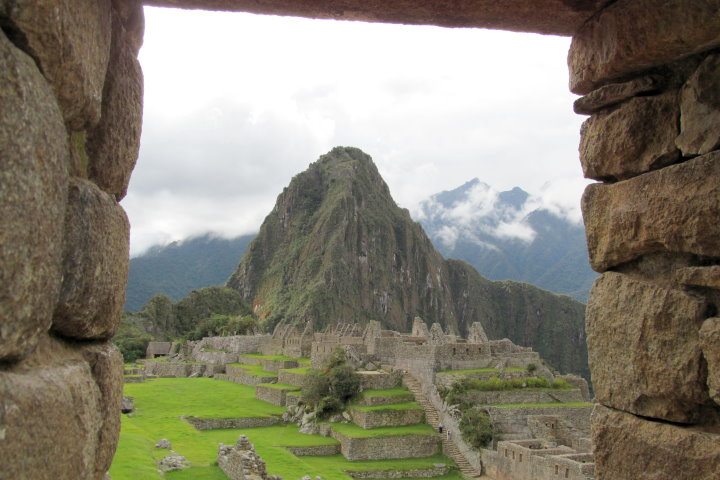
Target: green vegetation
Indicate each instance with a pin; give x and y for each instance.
(177, 269)
(160, 403)
(329, 390)
(471, 371)
(205, 312)
(392, 406)
(297, 371)
(223, 325)
(131, 340)
(476, 428)
(353, 431)
(543, 405)
(255, 370)
(456, 394)
(400, 392)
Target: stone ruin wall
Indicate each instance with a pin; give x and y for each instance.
(70, 119)
(651, 80)
(531, 460)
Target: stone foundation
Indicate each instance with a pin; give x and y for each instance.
(408, 446)
(379, 380)
(290, 378)
(319, 450)
(531, 460)
(236, 423)
(272, 394)
(523, 396)
(387, 418)
(237, 374)
(179, 369)
(437, 470)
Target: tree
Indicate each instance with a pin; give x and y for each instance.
(476, 428)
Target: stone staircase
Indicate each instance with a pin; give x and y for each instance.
(431, 415)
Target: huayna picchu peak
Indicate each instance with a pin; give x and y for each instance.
(337, 249)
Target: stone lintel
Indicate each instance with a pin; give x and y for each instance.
(556, 17)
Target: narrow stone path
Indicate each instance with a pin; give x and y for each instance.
(431, 415)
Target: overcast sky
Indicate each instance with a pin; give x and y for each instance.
(236, 104)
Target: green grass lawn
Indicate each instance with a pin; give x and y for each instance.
(353, 431)
(543, 405)
(391, 406)
(387, 393)
(161, 402)
(255, 370)
(297, 371)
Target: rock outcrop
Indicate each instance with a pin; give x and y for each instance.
(336, 248)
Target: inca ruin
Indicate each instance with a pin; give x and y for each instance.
(648, 73)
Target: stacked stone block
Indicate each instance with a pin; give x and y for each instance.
(70, 118)
(651, 78)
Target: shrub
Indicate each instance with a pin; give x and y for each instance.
(131, 340)
(315, 387)
(531, 368)
(329, 390)
(476, 428)
(344, 383)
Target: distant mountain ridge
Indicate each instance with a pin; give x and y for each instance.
(180, 267)
(508, 235)
(336, 248)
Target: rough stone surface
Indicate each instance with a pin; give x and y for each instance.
(542, 16)
(700, 109)
(634, 35)
(699, 276)
(163, 443)
(106, 365)
(627, 447)
(33, 192)
(405, 446)
(173, 462)
(615, 93)
(70, 41)
(655, 212)
(645, 356)
(631, 139)
(127, 405)
(95, 264)
(132, 16)
(710, 344)
(51, 410)
(114, 144)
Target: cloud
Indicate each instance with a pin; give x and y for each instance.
(234, 110)
(480, 213)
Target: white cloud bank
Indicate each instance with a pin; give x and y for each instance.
(236, 104)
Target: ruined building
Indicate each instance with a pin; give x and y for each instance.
(70, 120)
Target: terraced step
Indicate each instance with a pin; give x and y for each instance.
(388, 415)
(271, 363)
(247, 374)
(431, 415)
(275, 393)
(414, 441)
